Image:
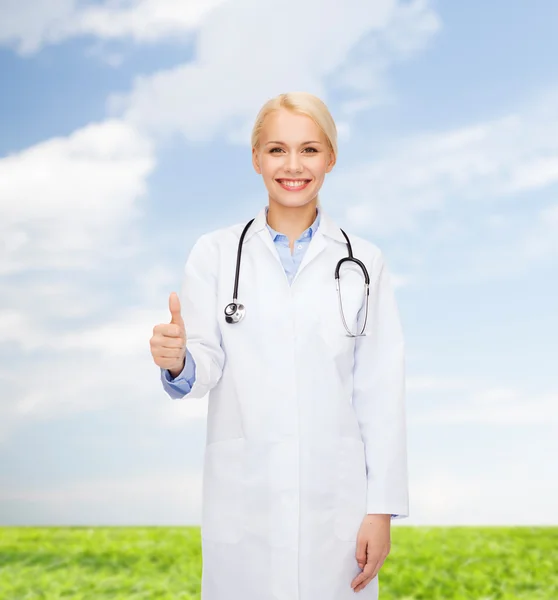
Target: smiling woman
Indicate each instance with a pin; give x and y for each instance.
(305, 459)
(295, 149)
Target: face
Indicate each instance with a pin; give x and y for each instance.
(293, 158)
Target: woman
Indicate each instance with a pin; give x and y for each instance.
(305, 458)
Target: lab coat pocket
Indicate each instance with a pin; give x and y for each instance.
(350, 507)
(223, 491)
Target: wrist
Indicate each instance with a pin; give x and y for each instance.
(176, 372)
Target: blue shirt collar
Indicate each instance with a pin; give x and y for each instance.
(306, 234)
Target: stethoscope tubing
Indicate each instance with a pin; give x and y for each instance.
(234, 312)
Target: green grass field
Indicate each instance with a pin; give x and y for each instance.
(426, 563)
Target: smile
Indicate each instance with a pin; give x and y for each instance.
(293, 185)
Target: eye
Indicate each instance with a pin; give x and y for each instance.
(278, 149)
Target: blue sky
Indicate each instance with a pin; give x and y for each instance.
(124, 135)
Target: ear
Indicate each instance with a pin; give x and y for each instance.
(332, 161)
(255, 161)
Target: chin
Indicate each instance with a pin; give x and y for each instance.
(294, 203)
(292, 200)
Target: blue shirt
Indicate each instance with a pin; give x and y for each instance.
(182, 384)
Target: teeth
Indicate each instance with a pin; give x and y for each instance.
(293, 183)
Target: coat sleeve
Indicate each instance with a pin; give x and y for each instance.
(198, 300)
(379, 398)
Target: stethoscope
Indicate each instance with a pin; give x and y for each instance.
(234, 312)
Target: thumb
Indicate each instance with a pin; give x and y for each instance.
(174, 307)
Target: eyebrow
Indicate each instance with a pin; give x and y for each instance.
(303, 143)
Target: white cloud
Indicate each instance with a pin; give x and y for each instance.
(84, 368)
(143, 20)
(123, 337)
(409, 28)
(425, 173)
(222, 91)
(538, 172)
(64, 202)
(67, 210)
(30, 25)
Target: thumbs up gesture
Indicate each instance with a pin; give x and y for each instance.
(168, 342)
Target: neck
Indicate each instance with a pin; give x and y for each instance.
(291, 221)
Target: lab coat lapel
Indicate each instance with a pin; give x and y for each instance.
(327, 229)
(270, 245)
(317, 245)
(259, 228)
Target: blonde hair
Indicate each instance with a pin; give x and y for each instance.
(301, 103)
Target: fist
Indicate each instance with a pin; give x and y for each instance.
(168, 342)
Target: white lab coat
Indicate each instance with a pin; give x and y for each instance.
(306, 427)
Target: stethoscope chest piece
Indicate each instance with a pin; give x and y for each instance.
(234, 312)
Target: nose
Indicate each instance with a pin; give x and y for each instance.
(294, 164)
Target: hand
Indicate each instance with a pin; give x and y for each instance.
(373, 546)
(168, 343)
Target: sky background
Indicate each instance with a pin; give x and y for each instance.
(124, 135)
